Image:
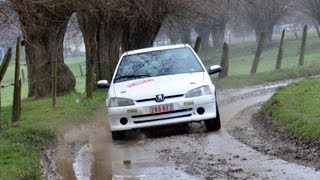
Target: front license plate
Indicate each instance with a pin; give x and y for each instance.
(161, 108)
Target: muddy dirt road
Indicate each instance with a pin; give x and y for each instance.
(88, 152)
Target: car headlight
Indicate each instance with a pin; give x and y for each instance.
(119, 102)
(201, 91)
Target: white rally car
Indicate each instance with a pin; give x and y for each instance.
(160, 86)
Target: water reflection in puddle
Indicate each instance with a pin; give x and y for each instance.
(126, 169)
(83, 163)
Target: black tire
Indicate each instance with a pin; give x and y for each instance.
(118, 135)
(214, 124)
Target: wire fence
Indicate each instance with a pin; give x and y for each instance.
(7, 84)
(7, 90)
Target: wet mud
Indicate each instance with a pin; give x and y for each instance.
(186, 152)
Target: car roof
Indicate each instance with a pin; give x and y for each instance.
(155, 49)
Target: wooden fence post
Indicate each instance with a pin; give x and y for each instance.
(303, 45)
(295, 32)
(0, 109)
(5, 63)
(54, 83)
(16, 107)
(3, 70)
(23, 75)
(81, 72)
(318, 31)
(258, 53)
(280, 53)
(197, 44)
(224, 61)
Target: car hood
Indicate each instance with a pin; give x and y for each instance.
(169, 85)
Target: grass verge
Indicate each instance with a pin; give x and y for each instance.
(295, 109)
(40, 124)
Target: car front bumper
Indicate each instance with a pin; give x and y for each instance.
(139, 116)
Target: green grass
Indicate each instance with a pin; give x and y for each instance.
(296, 109)
(40, 124)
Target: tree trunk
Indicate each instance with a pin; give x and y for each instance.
(265, 27)
(204, 33)
(185, 36)
(109, 40)
(174, 36)
(43, 26)
(102, 37)
(89, 28)
(217, 33)
(43, 46)
(140, 33)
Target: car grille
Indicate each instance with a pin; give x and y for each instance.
(162, 116)
(154, 99)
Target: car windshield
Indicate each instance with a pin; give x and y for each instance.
(157, 63)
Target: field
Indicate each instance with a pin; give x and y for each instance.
(242, 55)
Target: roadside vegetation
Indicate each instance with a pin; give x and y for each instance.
(295, 109)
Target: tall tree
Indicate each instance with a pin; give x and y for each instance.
(141, 29)
(262, 15)
(100, 24)
(204, 32)
(311, 7)
(178, 28)
(218, 14)
(107, 24)
(43, 25)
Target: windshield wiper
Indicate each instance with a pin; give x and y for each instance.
(131, 76)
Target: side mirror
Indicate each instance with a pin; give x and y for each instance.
(103, 84)
(214, 69)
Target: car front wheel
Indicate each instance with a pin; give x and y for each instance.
(214, 124)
